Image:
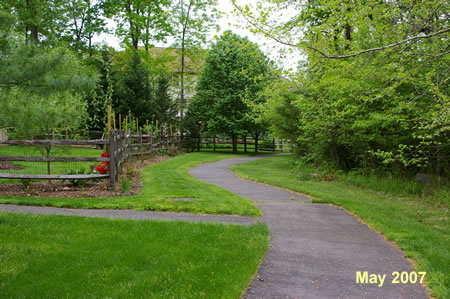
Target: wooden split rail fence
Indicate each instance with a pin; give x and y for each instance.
(245, 144)
(120, 147)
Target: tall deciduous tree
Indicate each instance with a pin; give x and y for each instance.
(84, 20)
(38, 20)
(192, 20)
(373, 90)
(139, 21)
(235, 72)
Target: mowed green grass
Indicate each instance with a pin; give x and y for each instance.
(421, 229)
(162, 181)
(76, 257)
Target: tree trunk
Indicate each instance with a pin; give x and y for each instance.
(256, 143)
(32, 27)
(234, 140)
(183, 49)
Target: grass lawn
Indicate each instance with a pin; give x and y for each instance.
(41, 167)
(420, 228)
(76, 257)
(168, 179)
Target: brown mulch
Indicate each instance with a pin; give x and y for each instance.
(90, 189)
(9, 166)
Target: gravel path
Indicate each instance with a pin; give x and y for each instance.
(129, 214)
(316, 249)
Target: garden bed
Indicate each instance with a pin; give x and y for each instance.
(58, 189)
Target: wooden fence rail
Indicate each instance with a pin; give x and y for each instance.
(49, 159)
(121, 146)
(248, 143)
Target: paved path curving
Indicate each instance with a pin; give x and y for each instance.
(316, 249)
(128, 214)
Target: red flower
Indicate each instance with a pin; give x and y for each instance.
(103, 168)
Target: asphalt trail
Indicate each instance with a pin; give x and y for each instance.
(316, 249)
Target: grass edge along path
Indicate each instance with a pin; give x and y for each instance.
(421, 230)
(52, 256)
(162, 181)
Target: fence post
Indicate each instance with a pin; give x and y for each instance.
(245, 144)
(128, 136)
(140, 143)
(112, 159)
(151, 141)
(281, 145)
(273, 144)
(214, 143)
(167, 141)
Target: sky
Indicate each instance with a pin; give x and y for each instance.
(227, 22)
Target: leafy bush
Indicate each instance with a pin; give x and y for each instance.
(131, 172)
(125, 185)
(76, 182)
(26, 184)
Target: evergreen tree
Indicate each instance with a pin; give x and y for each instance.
(163, 106)
(101, 96)
(133, 92)
(40, 88)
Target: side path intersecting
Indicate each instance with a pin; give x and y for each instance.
(129, 214)
(316, 249)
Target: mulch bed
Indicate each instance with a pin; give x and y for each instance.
(90, 189)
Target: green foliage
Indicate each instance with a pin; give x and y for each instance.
(133, 92)
(235, 72)
(191, 21)
(26, 184)
(57, 22)
(125, 185)
(131, 172)
(164, 108)
(76, 182)
(40, 88)
(365, 97)
(101, 96)
(32, 115)
(38, 20)
(139, 21)
(84, 19)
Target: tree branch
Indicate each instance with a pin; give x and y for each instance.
(379, 48)
(263, 31)
(277, 39)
